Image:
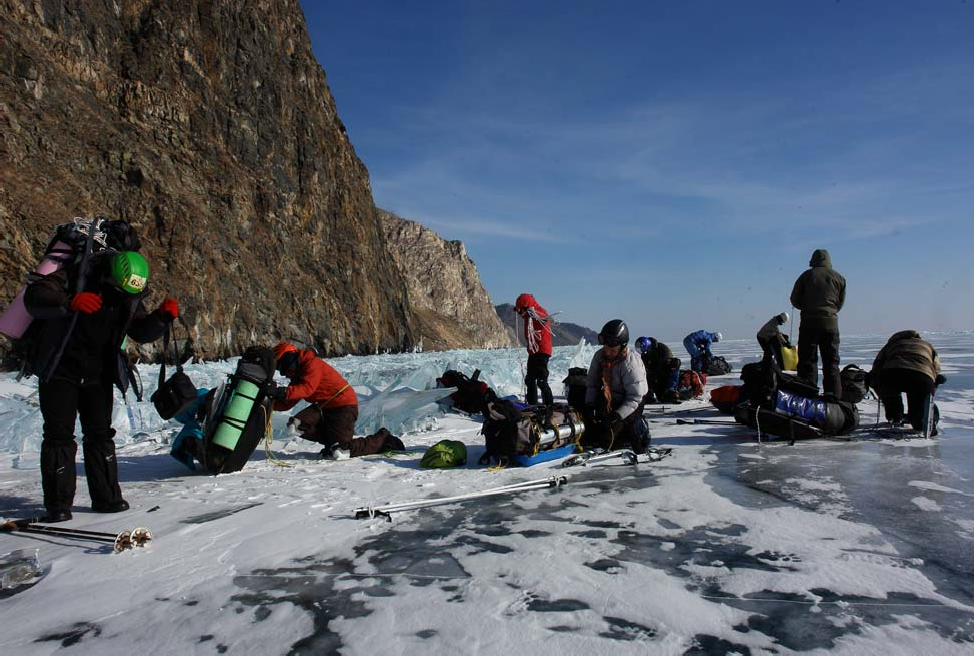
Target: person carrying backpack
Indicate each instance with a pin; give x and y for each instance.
(83, 313)
(697, 345)
(662, 370)
(819, 293)
(906, 364)
(614, 393)
(537, 335)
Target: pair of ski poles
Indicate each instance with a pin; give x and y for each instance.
(137, 537)
(385, 511)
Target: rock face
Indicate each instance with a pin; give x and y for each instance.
(210, 126)
(443, 288)
(565, 334)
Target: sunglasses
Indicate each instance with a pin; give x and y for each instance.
(611, 343)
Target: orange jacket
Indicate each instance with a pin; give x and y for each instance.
(317, 382)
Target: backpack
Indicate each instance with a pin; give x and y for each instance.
(726, 397)
(471, 394)
(511, 430)
(239, 413)
(718, 366)
(445, 453)
(691, 384)
(576, 383)
(854, 385)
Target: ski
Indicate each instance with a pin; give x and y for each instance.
(136, 537)
(385, 511)
(598, 454)
(628, 456)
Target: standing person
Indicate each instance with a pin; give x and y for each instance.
(698, 346)
(78, 357)
(614, 392)
(907, 364)
(330, 419)
(537, 335)
(662, 370)
(819, 293)
(771, 340)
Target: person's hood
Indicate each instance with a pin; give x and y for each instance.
(525, 301)
(903, 335)
(820, 258)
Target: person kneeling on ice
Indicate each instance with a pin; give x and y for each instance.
(330, 418)
(662, 370)
(614, 393)
(907, 364)
(698, 346)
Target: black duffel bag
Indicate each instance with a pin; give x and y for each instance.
(175, 394)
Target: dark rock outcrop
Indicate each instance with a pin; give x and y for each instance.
(209, 125)
(443, 288)
(565, 334)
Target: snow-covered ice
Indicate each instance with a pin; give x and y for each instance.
(727, 546)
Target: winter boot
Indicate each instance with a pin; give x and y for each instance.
(101, 470)
(58, 476)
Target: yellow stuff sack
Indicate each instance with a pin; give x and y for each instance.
(789, 357)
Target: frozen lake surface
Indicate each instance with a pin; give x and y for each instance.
(728, 545)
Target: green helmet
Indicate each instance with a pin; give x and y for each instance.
(130, 271)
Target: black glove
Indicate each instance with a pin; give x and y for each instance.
(616, 423)
(274, 391)
(940, 379)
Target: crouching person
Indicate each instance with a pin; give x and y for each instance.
(330, 418)
(907, 364)
(614, 393)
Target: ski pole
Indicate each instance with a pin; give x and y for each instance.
(705, 421)
(383, 511)
(472, 495)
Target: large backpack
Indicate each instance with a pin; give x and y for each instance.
(238, 413)
(718, 366)
(726, 397)
(511, 432)
(854, 387)
(576, 384)
(691, 384)
(471, 394)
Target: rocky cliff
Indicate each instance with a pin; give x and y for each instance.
(565, 334)
(443, 288)
(209, 125)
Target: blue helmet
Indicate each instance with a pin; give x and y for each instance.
(644, 344)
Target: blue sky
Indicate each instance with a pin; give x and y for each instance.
(674, 164)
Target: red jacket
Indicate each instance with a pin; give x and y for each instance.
(317, 382)
(537, 325)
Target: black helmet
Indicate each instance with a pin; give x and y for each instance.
(614, 333)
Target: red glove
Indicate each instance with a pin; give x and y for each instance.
(86, 302)
(169, 309)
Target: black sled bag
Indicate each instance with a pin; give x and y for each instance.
(511, 431)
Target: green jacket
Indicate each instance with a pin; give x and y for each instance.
(819, 293)
(906, 350)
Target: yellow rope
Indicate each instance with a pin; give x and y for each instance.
(269, 438)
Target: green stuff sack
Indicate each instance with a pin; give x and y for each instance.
(445, 453)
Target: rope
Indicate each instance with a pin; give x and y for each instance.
(269, 439)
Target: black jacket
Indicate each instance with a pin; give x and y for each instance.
(92, 347)
(819, 293)
(657, 357)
